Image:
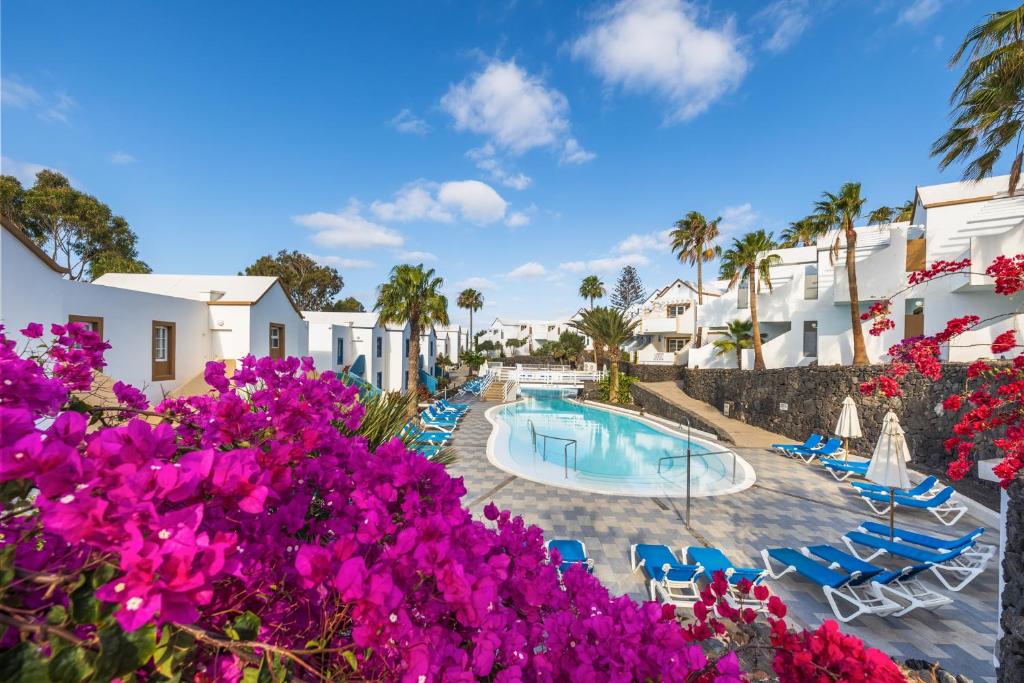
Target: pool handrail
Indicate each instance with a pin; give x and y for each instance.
(544, 448)
(683, 455)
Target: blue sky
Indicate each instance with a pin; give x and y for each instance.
(515, 147)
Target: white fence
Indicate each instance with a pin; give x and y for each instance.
(560, 375)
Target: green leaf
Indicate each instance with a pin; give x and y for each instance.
(57, 615)
(172, 652)
(245, 627)
(22, 664)
(350, 657)
(103, 574)
(85, 608)
(70, 665)
(122, 653)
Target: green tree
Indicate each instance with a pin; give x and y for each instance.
(803, 233)
(515, 344)
(629, 289)
(592, 288)
(347, 305)
(987, 112)
(750, 258)
(738, 336)
(77, 230)
(313, 286)
(840, 212)
(470, 300)
(413, 294)
(572, 344)
(693, 241)
(610, 329)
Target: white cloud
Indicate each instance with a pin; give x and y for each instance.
(605, 265)
(658, 46)
(414, 202)
(121, 158)
(477, 202)
(517, 219)
(486, 160)
(348, 228)
(517, 111)
(26, 171)
(572, 153)
(14, 93)
(737, 218)
(60, 110)
(407, 122)
(476, 282)
(919, 11)
(340, 262)
(788, 19)
(410, 256)
(527, 271)
(651, 241)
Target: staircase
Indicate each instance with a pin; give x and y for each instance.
(501, 390)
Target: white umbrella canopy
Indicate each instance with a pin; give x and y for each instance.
(889, 462)
(848, 425)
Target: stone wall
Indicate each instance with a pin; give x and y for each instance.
(650, 402)
(652, 373)
(531, 360)
(1011, 647)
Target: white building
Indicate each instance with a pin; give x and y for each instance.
(162, 329)
(532, 332)
(428, 350)
(805, 318)
(450, 341)
(357, 342)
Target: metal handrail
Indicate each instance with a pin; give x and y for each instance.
(565, 449)
(683, 455)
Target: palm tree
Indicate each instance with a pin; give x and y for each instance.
(738, 336)
(693, 242)
(592, 288)
(987, 116)
(802, 233)
(840, 212)
(609, 328)
(471, 300)
(750, 258)
(412, 294)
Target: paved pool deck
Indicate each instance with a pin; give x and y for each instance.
(790, 505)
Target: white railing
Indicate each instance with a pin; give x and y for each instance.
(510, 389)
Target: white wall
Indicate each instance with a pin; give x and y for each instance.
(396, 360)
(274, 307)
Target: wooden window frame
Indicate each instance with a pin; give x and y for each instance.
(163, 374)
(94, 320)
(281, 339)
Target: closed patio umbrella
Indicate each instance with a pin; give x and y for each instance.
(848, 426)
(889, 463)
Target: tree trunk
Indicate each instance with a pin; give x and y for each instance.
(860, 354)
(758, 358)
(413, 362)
(472, 339)
(700, 301)
(613, 382)
(739, 357)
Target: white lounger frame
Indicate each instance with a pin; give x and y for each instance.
(681, 593)
(866, 598)
(964, 567)
(949, 512)
(815, 452)
(735, 596)
(438, 426)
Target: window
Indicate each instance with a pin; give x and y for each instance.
(674, 344)
(163, 350)
(743, 295)
(811, 338)
(276, 340)
(811, 282)
(91, 322)
(341, 352)
(406, 353)
(405, 381)
(380, 380)
(380, 347)
(675, 310)
(431, 347)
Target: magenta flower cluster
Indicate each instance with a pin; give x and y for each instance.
(251, 500)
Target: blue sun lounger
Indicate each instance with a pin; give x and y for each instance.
(942, 505)
(668, 579)
(813, 441)
(828, 449)
(420, 436)
(926, 485)
(961, 563)
(842, 470)
(936, 543)
(714, 560)
(572, 552)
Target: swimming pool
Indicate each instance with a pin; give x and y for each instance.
(549, 438)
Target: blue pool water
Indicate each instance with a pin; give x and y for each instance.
(615, 453)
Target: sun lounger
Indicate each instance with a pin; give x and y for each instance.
(851, 588)
(961, 564)
(842, 470)
(420, 436)
(934, 543)
(572, 552)
(714, 560)
(668, 579)
(922, 489)
(828, 449)
(942, 505)
(813, 441)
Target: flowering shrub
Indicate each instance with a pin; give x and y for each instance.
(249, 534)
(993, 403)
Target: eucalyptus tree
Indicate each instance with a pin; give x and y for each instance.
(470, 300)
(987, 112)
(412, 294)
(592, 288)
(750, 258)
(312, 285)
(609, 328)
(693, 241)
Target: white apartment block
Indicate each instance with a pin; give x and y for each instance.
(805, 318)
(451, 341)
(533, 332)
(360, 344)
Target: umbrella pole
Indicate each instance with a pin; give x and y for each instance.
(846, 450)
(892, 513)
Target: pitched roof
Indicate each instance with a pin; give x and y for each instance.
(963, 192)
(216, 290)
(20, 235)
